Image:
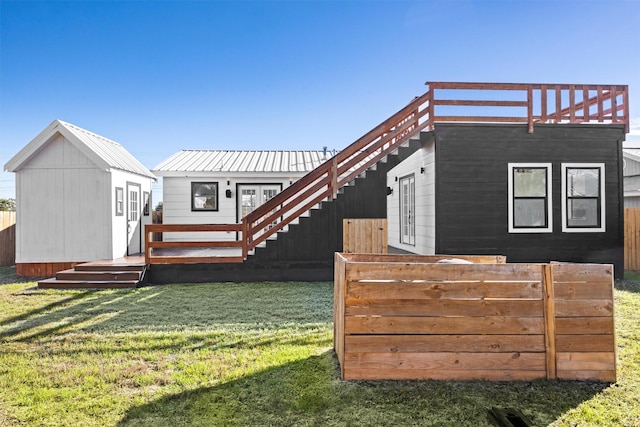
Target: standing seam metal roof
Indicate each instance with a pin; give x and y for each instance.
(114, 154)
(302, 161)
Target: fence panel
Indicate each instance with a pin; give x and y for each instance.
(632, 239)
(367, 236)
(7, 238)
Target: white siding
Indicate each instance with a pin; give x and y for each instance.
(62, 207)
(177, 203)
(424, 201)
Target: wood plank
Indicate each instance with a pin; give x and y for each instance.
(444, 343)
(193, 244)
(602, 376)
(421, 271)
(194, 260)
(584, 291)
(576, 343)
(442, 374)
(446, 360)
(584, 308)
(584, 326)
(591, 361)
(436, 290)
(549, 309)
(441, 325)
(397, 258)
(444, 307)
(584, 273)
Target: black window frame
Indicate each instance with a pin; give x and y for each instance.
(215, 185)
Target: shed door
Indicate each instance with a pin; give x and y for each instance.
(133, 219)
(407, 210)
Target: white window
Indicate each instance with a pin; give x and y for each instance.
(583, 203)
(530, 205)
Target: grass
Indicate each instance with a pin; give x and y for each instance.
(250, 354)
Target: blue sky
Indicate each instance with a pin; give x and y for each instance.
(160, 76)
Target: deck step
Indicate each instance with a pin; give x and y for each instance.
(90, 266)
(55, 283)
(97, 275)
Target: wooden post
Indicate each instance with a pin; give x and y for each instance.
(543, 103)
(558, 103)
(614, 104)
(585, 103)
(530, 107)
(572, 103)
(625, 100)
(334, 177)
(148, 237)
(600, 108)
(245, 238)
(548, 296)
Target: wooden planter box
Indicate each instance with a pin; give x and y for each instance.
(406, 317)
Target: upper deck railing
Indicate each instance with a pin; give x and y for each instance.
(527, 103)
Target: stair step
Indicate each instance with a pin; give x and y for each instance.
(109, 267)
(91, 275)
(86, 284)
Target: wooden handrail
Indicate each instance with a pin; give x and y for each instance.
(420, 114)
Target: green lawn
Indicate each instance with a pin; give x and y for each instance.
(250, 354)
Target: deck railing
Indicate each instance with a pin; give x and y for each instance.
(443, 102)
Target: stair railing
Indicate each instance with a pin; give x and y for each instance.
(325, 181)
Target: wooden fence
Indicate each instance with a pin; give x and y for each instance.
(398, 317)
(632, 239)
(7, 238)
(368, 236)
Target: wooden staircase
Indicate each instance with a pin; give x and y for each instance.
(98, 275)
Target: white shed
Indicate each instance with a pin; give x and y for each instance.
(222, 186)
(80, 197)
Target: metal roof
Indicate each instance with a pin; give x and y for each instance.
(225, 161)
(114, 154)
(104, 152)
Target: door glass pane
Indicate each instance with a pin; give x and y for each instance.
(583, 182)
(529, 213)
(248, 200)
(582, 213)
(133, 206)
(530, 182)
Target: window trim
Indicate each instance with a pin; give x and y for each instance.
(603, 223)
(146, 201)
(549, 213)
(217, 206)
(119, 201)
(412, 210)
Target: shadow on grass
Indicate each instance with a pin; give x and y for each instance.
(204, 309)
(309, 392)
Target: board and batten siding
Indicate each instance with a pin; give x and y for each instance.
(424, 215)
(472, 190)
(63, 207)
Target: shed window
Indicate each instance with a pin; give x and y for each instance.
(529, 198)
(119, 201)
(204, 196)
(583, 208)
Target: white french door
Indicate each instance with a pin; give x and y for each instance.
(251, 196)
(407, 210)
